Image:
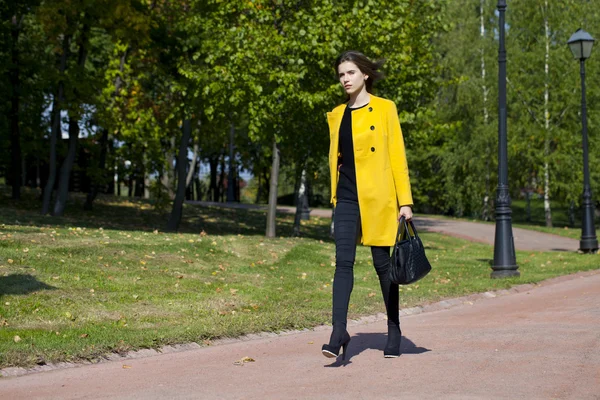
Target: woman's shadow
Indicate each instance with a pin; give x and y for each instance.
(376, 341)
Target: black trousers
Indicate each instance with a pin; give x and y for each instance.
(346, 229)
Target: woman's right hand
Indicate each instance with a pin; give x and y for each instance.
(406, 212)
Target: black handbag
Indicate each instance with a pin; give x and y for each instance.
(408, 263)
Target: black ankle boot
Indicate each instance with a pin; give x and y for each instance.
(339, 339)
(392, 347)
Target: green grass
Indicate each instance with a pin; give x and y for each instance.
(84, 285)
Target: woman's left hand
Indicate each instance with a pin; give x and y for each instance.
(406, 212)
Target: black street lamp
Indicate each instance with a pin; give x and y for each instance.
(505, 262)
(581, 44)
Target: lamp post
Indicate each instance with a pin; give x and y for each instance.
(505, 262)
(581, 44)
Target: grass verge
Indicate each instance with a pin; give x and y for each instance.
(82, 286)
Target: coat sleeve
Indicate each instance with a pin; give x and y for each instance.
(397, 156)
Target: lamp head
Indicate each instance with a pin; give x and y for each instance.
(581, 44)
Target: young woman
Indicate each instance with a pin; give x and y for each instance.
(370, 190)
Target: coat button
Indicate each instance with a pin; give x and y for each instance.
(372, 128)
(373, 149)
(370, 109)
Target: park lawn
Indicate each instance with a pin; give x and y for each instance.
(79, 287)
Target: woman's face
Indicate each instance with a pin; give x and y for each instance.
(351, 78)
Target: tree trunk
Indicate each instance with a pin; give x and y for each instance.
(168, 177)
(302, 203)
(192, 169)
(56, 127)
(175, 219)
(130, 183)
(547, 210)
(213, 189)
(231, 174)
(67, 166)
(147, 183)
(15, 135)
(222, 179)
(140, 176)
(111, 169)
(272, 210)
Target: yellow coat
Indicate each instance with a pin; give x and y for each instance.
(382, 180)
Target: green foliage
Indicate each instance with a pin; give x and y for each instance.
(462, 160)
(265, 69)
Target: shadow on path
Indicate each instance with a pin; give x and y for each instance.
(375, 341)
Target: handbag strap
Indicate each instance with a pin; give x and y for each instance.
(408, 227)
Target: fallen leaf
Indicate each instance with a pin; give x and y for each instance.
(17, 339)
(372, 294)
(84, 335)
(244, 360)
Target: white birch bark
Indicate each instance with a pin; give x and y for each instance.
(486, 198)
(547, 210)
(484, 86)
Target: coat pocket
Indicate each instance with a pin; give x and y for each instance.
(372, 146)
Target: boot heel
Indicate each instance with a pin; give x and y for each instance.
(345, 347)
(336, 343)
(392, 347)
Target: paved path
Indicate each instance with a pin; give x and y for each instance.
(524, 239)
(539, 342)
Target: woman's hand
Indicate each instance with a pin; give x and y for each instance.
(406, 212)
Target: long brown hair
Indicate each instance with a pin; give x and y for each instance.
(366, 66)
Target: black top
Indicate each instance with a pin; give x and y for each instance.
(346, 189)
